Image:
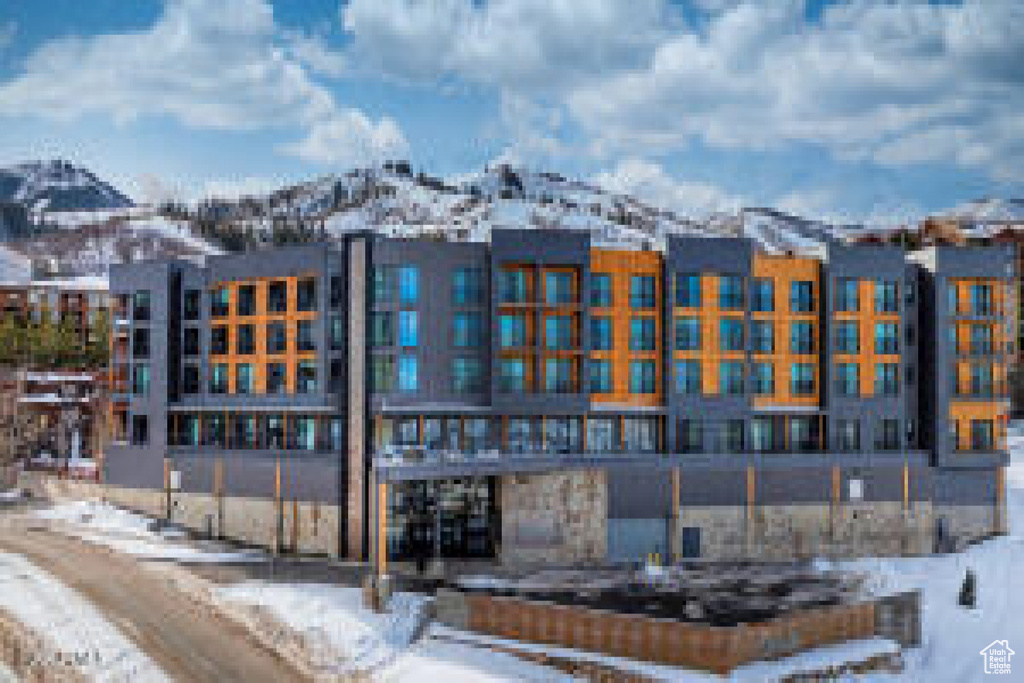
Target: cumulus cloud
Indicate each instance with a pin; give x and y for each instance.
(221, 65)
(649, 181)
(350, 138)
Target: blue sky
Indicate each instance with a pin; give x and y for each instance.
(862, 110)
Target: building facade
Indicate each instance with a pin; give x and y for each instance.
(544, 399)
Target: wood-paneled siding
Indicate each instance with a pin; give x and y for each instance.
(710, 354)
(866, 318)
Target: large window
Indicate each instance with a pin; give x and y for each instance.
(762, 377)
(303, 432)
(247, 300)
(513, 287)
(243, 379)
(801, 337)
(141, 306)
(730, 292)
(246, 340)
(762, 336)
(468, 329)
(601, 334)
(981, 380)
(600, 376)
(847, 435)
(304, 336)
(847, 298)
(382, 329)
(981, 340)
(383, 284)
(980, 299)
(467, 375)
(140, 430)
(512, 331)
(140, 380)
(305, 377)
(688, 377)
(468, 286)
(802, 379)
(730, 380)
(888, 436)
(140, 342)
(306, 294)
(512, 375)
(558, 288)
(847, 379)
(193, 304)
(762, 295)
(687, 334)
(887, 379)
(887, 338)
(730, 334)
(190, 382)
(642, 291)
(408, 284)
(219, 340)
(982, 435)
(600, 290)
(220, 302)
(886, 296)
(688, 290)
(558, 334)
(408, 373)
(558, 376)
(642, 335)
(277, 296)
(690, 436)
(337, 332)
(801, 296)
(408, 329)
(336, 376)
(219, 378)
(382, 374)
(337, 292)
(642, 377)
(277, 381)
(277, 338)
(640, 434)
(603, 435)
(847, 337)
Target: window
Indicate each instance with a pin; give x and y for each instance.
(640, 434)
(140, 380)
(602, 435)
(467, 286)
(688, 290)
(305, 295)
(982, 435)
(337, 333)
(801, 337)
(642, 334)
(887, 379)
(600, 376)
(801, 296)
(558, 288)
(847, 435)
(762, 336)
(190, 382)
(730, 292)
(762, 434)
(247, 300)
(512, 331)
(140, 342)
(220, 300)
(277, 297)
(803, 434)
(762, 376)
(847, 337)
(408, 284)
(336, 376)
(276, 379)
(468, 330)
(304, 336)
(193, 304)
(848, 379)
(888, 436)
(730, 334)
(642, 290)
(382, 374)
(887, 338)
(847, 295)
(337, 291)
(337, 433)
(305, 377)
(558, 332)
(141, 305)
(303, 436)
(512, 375)
(140, 430)
(219, 340)
(513, 287)
(243, 432)
(219, 378)
(558, 376)
(600, 290)
(408, 328)
(277, 338)
(802, 379)
(690, 437)
(275, 432)
(981, 340)
(981, 379)
(382, 330)
(688, 377)
(246, 340)
(601, 334)
(762, 295)
(642, 377)
(687, 334)
(980, 298)
(886, 297)
(383, 284)
(408, 373)
(188, 431)
(243, 379)
(730, 378)
(467, 375)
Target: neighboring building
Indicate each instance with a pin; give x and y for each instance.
(541, 398)
(77, 301)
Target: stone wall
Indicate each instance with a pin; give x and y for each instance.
(554, 518)
(965, 523)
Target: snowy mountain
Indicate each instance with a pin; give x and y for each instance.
(57, 186)
(990, 210)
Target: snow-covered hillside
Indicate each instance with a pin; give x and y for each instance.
(990, 209)
(57, 186)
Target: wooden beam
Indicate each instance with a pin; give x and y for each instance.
(382, 528)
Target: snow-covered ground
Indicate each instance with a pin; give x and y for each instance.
(131, 533)
(73, 629)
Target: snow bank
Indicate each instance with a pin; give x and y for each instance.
(73, 628)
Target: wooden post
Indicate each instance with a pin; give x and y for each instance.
(382, 529)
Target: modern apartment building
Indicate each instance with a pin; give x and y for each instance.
(544, 399)
(77, 302)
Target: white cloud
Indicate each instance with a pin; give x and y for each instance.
(233, 188)
(216, 65)
(650, 182)
(350, 138)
